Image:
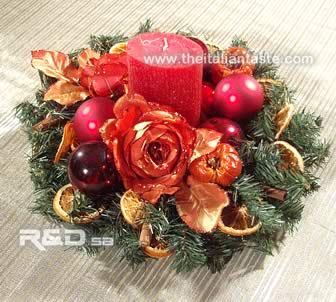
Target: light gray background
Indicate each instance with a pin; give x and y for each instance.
(303, 270)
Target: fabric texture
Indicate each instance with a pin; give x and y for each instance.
(302, 270)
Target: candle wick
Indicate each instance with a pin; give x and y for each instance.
(165, 46)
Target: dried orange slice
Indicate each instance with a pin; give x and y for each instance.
(236, 221)
(132, 208)
(63, 206)
(158, 251)
(152, 245)
(118, 48)
(283, 118)
(67, 140)
(63, 202)
(291, 157)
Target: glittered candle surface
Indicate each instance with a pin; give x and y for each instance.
(167, 69)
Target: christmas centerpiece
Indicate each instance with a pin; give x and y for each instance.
(173, 156)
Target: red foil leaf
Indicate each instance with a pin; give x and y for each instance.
(107, 78)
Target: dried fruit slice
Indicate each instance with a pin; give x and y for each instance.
(63, 207)
(236, 221)
(283, 118)
(158, 251)
(118, 48)
(68, 139)
(291, 157)
(152, 246)
(63, 202)
(132, 208)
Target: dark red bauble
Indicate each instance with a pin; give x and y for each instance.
(91, 168)
(232, 132)
(90, 116)
(206, 64)
(208, 93)
(200, 43)
(238, 97)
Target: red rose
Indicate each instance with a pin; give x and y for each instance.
(151, 144)
(103, 76)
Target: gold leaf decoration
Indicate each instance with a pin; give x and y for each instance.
(66, 93)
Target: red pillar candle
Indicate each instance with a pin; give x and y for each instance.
(167, 69)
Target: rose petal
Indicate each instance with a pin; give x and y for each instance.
(127, 102)
(154, 194)
(108, 132)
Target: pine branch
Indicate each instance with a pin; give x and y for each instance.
(265, 70)
(239, 42)
(248, 191)
(277, 95)
(262, 127)
(187, 33)
(103, 43)
(145, 27)
(220, 248)
(186, 244)
(304, 133)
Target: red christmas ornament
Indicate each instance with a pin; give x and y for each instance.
(207, 98)
(91, 168)
(90, 116)
(206, 64)
(200, 43)
(231, 130)
(238, 97)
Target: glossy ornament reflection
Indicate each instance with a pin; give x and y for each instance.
(91, 168)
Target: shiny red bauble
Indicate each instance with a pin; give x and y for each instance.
(231, 131)
(208, 99)
(200, 43)
(90, 116)
(206, 64)
(91, 168)
(238, 97)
